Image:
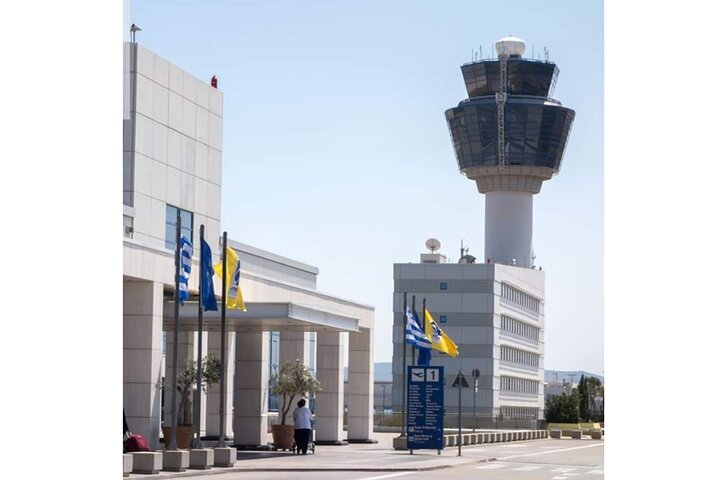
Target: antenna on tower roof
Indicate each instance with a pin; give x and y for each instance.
(464, 257)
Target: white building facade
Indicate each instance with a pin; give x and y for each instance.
(494, 313)
(172, 160)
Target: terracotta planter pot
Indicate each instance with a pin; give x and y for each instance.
(283, 436)
(184, 436)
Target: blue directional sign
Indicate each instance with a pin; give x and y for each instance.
(425, 404)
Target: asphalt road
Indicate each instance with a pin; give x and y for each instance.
(547, 459)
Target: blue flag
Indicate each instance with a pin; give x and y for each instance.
(186, 252)
(206, 274)
(424, 354)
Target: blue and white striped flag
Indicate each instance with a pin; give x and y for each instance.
(186, 251)
(414, 335)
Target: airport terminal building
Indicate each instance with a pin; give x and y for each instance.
(172, 161)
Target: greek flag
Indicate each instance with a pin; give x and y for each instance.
(414, 335)
(186, 251)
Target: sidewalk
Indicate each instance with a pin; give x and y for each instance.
(353, 457)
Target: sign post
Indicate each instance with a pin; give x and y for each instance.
(460, 383)
(425, 407)
(476, 375)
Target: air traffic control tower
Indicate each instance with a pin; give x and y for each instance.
(509, 136)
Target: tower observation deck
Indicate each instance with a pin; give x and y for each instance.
(509, 136)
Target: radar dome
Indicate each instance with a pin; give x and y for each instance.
(511, 46)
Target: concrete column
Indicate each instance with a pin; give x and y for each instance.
(142, 358)
(360, 386)
(295, 346)
(508, 227)
(252, 365)
(213, 394)
(329, 403)
(186, 351)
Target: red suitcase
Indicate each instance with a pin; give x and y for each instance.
(136, 443)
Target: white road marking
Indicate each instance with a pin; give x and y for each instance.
(563, 470)
(528, 468)
(516, 446)
(550, 451)
(387, 476)
(597, 472)
(559, 478)
(491, 466)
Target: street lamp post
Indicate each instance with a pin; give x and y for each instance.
(383, 403)
(474, 397)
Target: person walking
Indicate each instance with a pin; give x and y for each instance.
(302, 417)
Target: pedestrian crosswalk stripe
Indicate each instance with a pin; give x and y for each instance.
(528, 468)
(491, 466)
(563, 470)
(597, 472)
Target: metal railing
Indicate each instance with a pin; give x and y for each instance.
(479, 421)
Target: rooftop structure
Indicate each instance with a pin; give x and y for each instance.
(509, 136)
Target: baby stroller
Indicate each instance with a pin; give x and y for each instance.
(311, 442)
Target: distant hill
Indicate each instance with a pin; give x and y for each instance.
(569, 376)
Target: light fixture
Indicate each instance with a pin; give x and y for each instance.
(134, 28)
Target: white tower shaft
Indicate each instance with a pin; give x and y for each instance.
(508, 227)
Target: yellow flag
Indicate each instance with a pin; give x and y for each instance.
(234, 298)
(440, 340)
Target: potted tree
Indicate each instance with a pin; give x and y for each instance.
(187, 378)
(293, 379)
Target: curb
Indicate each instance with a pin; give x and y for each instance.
(221, 470)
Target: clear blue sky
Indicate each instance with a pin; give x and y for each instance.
(336, 151)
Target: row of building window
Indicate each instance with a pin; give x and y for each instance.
(519, 412)
(511, 325)
(186, 225)
(522, 357)
(520, 385)
(520, 298)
